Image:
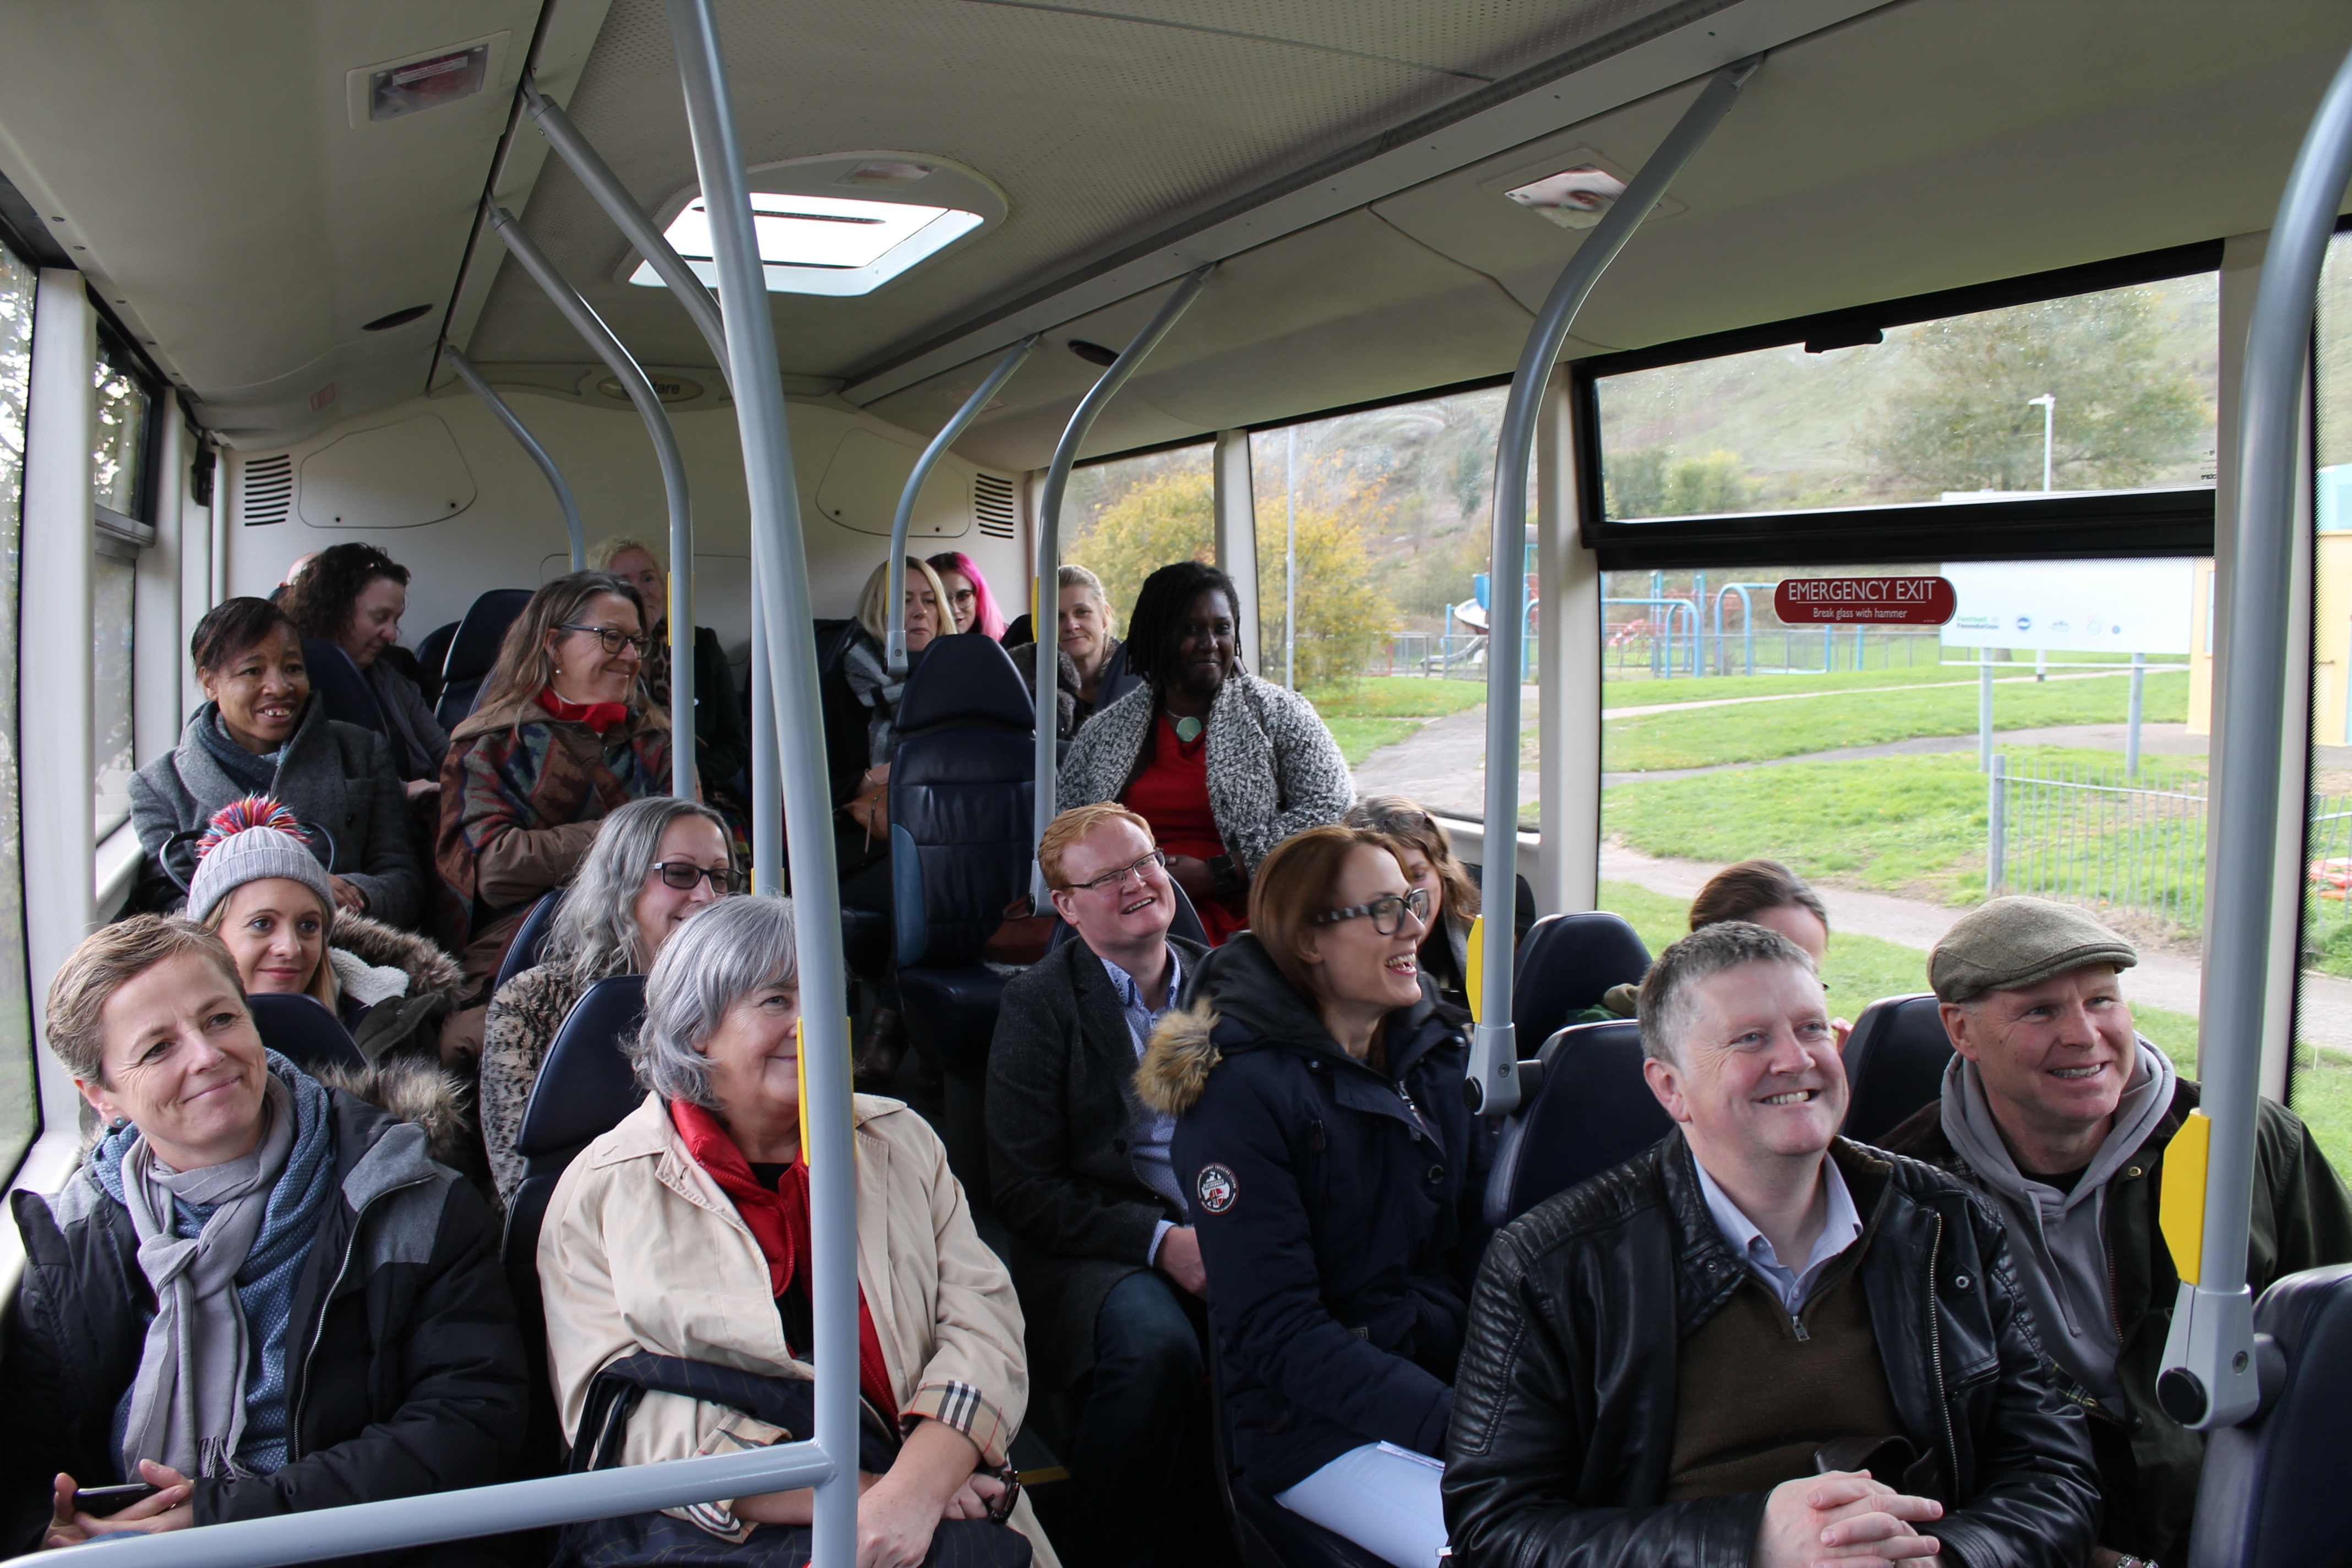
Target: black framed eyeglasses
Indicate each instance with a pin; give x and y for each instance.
(683, 874)
(1118, 879)
(1388, 911)
(613, 641)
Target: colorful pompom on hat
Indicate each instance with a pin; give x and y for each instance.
(247, 840)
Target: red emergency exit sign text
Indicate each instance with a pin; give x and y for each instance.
(1859, 601)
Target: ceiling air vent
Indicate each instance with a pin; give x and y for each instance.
(992, 503)
(266, 488)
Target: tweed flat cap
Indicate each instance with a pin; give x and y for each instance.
(2009, 942)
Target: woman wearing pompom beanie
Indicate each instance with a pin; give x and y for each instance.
(259, 887)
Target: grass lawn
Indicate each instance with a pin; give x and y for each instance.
(1644, 692)
(1709, 736)
(1381, 709)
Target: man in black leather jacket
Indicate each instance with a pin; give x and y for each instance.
(1644, 1382)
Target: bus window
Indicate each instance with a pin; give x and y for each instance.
(1126, 518)
(119, 482)
(19, 1107)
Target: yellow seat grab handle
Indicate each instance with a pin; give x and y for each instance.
(2180, 1204)
(800, 1074)
(1474, 969)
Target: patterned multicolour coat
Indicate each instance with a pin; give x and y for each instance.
(521, 793)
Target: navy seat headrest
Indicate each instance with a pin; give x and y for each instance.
(964, 680)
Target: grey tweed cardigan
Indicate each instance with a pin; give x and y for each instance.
(1273, 769)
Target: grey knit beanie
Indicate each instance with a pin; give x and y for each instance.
(246, 841)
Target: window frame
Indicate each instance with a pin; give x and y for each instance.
(2060, 527)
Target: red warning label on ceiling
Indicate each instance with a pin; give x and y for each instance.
(1864, 601)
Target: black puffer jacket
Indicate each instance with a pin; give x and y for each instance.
(1336, 1209)
(404, 1373)
(1563, 1424)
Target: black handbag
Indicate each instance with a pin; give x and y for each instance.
(641, 1539)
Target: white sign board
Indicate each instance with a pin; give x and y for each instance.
(2075, 607)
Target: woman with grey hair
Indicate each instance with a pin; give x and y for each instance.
(654, 862)
(675, 1256)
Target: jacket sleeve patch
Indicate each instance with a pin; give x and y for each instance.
(1217, 1188)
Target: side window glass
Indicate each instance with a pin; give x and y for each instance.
(19, 1105)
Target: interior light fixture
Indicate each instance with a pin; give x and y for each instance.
(838, 245)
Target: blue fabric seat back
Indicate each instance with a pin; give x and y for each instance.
(962, 783)
(2272, 1493)
(523, 952)
(339, 683)
(474, 649)
(300, 1029)
(1894, 1064)
(1593, 1110)
(1566, 964)
(585, 1085)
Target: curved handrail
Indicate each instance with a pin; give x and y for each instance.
(1492, 1084)
(1045, 595)
(681, 609)
(529, 443)
(2211, 1375)
(894, 609)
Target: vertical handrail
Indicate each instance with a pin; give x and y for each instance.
(529, 444)
(893, 610)
(1049, 538)
(2209, 1377)
(1493, 1085)
(632, 376)
(780, 562)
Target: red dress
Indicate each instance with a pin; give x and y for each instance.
(1172, 793)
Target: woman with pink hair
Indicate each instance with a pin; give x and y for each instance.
(969, 604)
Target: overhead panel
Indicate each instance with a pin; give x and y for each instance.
(861, 485)
(402, 475)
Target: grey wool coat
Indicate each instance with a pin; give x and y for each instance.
(338, 776)
(1273, 769)
(1061, 1115)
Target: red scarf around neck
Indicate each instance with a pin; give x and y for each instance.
(778, 1222)
(598, 716)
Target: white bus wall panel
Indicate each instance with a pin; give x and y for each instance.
(405, 474)
(509, 534)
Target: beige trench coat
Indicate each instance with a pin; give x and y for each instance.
(642, 1250)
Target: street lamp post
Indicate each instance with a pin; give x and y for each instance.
(2048, 404)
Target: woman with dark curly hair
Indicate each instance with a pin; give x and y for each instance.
(354, 595)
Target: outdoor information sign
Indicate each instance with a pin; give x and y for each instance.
(1863, 601)
(2077, 606)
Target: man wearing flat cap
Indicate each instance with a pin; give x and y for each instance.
(2056, 1110)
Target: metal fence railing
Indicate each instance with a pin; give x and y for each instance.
(2096, 834)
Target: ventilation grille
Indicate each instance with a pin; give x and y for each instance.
(266, 489)
(992, 503)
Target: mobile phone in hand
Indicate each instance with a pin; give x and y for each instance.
(103, 1502)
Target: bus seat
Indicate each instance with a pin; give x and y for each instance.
(339, 683)
(2272, 1492)
(1266, 1535)
(1565, 964)
(522, 953)
(1593, 1110)
(473, 650)
(1186, 922)
(300, 1029)
(1894, 1064)
(431, 655)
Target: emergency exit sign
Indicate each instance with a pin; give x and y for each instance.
(1864, 601)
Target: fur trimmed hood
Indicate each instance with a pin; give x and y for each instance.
(380, 946)
(1176, 1064)
(412, 1090)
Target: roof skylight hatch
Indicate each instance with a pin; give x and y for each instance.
(841, 246)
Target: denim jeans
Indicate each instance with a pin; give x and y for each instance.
(1147, 1378)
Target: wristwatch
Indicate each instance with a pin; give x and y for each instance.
(1226, 874)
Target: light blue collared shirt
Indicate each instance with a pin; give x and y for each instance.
(1840, 1229)
(1154, 1167)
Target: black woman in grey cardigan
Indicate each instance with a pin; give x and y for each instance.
(262, 734)
(1224, 765)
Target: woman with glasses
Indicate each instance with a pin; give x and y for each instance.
(1333, 1177)
(970, 606)
(563, 733)
(722, 724)
(1430, 866)
(654, 862)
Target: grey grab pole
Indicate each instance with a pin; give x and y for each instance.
(582, 158)
(591, 326)
(2209, 1379)
(402, 1523)
(1493, 1085)
(894, 609)
(1049, 532)
(1984, 709)
(780, 560)
(529, 443)
(2138, 696)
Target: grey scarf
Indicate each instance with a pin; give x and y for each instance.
(187, 1403)
(2058, 1240)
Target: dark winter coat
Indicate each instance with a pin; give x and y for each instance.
(2148, 1463)
(1061, 1116)
(1071, 710)
(1564, 1420)
(1336, 1208)
(333, 775)
(405, 1370)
